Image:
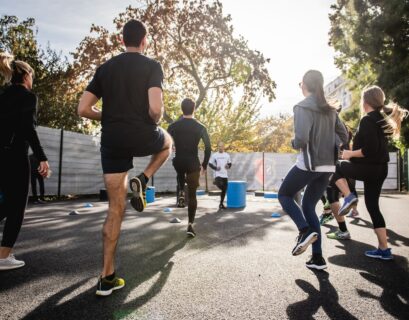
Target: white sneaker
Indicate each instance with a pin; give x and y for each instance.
(10, 263)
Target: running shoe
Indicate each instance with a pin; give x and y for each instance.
(380, 254)
(339, 235)
(105, 287)
(304, 239)
(11, 263)
(316, 262)
(353, 213)
(138, 187)
(326, 217)
(190, 231)
(349, 202)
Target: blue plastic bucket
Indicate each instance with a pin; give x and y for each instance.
(150, 194)
(236, 194)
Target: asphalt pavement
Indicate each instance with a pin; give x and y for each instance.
(238, 267)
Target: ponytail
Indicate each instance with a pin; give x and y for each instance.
(314, 82)
(13, 70)
(394, 117)
(6, 70)
(394, 114)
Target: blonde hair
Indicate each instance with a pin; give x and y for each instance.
(13, 70)
(394, 114)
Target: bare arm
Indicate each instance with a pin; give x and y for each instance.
(155, 104)
(347, 154)
(86, 107)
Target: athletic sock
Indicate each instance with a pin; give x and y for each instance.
(317, 255)
(342, 226)
(146, 178)
(304, 230)
(110, 277)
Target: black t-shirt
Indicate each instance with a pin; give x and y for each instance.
(370, 137)
(123, 83)
(186, 134)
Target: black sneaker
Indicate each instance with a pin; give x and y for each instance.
(105, 287)
(138, 187)
(316, 262)
(303, 241)
(190, 231)
(222, 207)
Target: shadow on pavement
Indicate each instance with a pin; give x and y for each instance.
(325, 296)
(63, 253)
(88, 306)
(393, 237)
(391, 276)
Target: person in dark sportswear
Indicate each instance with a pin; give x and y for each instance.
(36, 176)
(220, 162)
(368, 161)
(18, 120)
(130, 86)
(315, 125)
(333, 195)
(187, 133)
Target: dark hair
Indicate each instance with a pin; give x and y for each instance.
(188, 106)
(314, 82)
(133, 33)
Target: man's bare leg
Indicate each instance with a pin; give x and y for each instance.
(157, 160)
(116, 185)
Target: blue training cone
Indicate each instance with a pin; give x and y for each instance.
(88, 205)
(167, 210)
(276, 215)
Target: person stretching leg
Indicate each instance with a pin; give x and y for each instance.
(130, 85)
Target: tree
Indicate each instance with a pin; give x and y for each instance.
(53, 81)
(371, 38)
(274, 134)
(198, 50)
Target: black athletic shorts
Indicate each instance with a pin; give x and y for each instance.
(117, 159)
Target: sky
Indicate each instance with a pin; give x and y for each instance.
(292, 33)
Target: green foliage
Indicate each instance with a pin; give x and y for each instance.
(53, 84)
(371, 38)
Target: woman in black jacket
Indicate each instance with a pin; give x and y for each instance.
(18, 106)
(368, 160)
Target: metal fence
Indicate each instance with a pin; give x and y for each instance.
(75, 161)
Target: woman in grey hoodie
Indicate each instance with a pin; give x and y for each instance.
(316, 124)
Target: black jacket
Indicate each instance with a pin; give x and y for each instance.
(18, 121)
(371, 139)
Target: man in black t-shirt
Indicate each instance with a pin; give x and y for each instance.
(130, 86)
(187, 133)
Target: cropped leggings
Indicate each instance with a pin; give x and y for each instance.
(14, 182)
(373, 176)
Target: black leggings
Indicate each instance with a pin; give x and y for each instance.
(34, 177)
(333, 192)
(14, 181)
(373, 176)
(188, 171)
(222, 184)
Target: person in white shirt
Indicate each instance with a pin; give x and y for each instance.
(220, 162)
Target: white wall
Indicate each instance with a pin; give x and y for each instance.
(82, 173)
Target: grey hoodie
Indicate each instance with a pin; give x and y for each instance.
(315, 130)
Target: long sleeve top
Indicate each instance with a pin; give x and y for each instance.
(187, 134)
(371, 139)
(18, 121)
